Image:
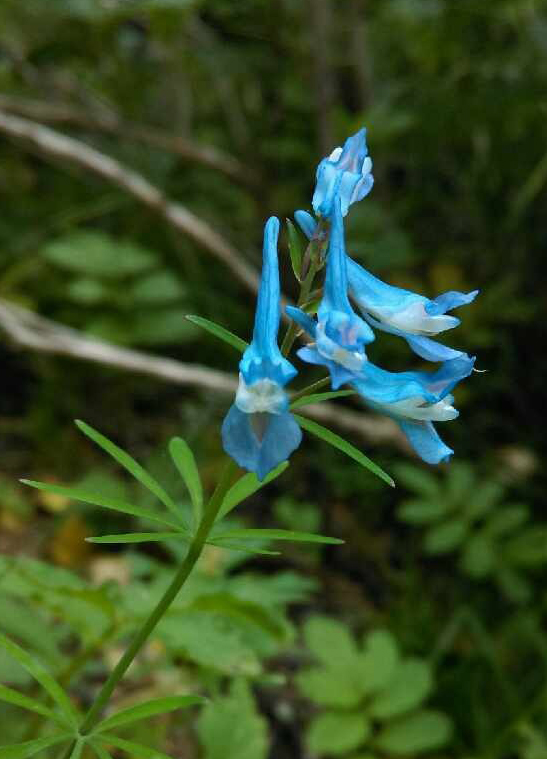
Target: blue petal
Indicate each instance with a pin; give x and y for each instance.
(281, 435)
(447, 301)
(423, 346)
(302, 319)
(338, 373)
(423, 437)
(263, 359)
(306, 222)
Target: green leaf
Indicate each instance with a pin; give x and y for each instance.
(244, 549)
(479, 556)
(410, 686)
(138, 537)
(337, 732)
(98, 255)
(135, 750)
(272, 534)
(336, 686)
(101, 752)
(245, 487)
(148, 709)
(158, 287)
(30, 748)
(105, 501)
(25, 702)
(419, 480)
(529, 547)
(446, 537)
(231, 726)
(418, 732)
(132, 466)
(78, 748)
(422, 512)
(320, 397)
(184, 460)
(330, 641)
(338, 442)
(379, 660)
(295, 250)
(218, 331)
(507, 519)
(42, 676)
(236, 608)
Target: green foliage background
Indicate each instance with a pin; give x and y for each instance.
(452, 562)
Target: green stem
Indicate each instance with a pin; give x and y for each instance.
(309, 389)
(305, 289)
(194, 552)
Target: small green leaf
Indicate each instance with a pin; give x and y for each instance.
(445, 537)
(379, 660)
(30, 748)
(132, 466)
(295, 250)
(422, 512)
(409, 687)
(78, 748)
(138, 537)
(337, 732)
(320, 397)
(184, 460)
(41, 675)
(245, 487)
(105, 501)
(416, 733)
(419, 480)
(25, 702)
(148, 709)
(336, 686)
(330, 641)
(244, 549)
(338, 442)
(221, 332)
(100, 751)
(272, 534)
(230, 606)
(479, 556)
(135, 750)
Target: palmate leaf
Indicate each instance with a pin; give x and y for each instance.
(30, 748)
(132, 466)
(134, 750)
(138, 537)
(10, 696)
(338, 442)
(272, 534)
(245, 487)
(76, 494)
(148, 709)
(330, 395)
(42, 676)
(184, 460)
(221, 332)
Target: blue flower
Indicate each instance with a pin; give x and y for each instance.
(346, 174)
(259, 432)
(339, 334)
(398, 311)
(415, 400)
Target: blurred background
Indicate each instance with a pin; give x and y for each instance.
(143, 143)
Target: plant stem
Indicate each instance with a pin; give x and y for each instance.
(309, 389)
(305, 289)
(194, 552)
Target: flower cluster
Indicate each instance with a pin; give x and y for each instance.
(259, 431)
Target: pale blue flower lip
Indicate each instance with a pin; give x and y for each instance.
(259, 432)
(345, 174)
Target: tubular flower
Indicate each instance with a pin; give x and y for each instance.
(259, 432)
(346, 174)
(339, 334)
(415, 400)
(407, 314)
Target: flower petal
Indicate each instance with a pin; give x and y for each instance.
(425, 440)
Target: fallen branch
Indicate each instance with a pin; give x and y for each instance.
(55, 145)
(29, 330)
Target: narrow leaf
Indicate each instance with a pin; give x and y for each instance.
(149, 709)
(295, 250)
(99, 750)
(319, 397)
(244, 549)
(135, 750)
(30, 748)
(105, 501)
(267, 534)
(138, 537)
(338, 442)
(245, 487)
(25, 702)
(221, 332)
(132, 466)
(184, 460)
(41, 675)
(78, 748)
